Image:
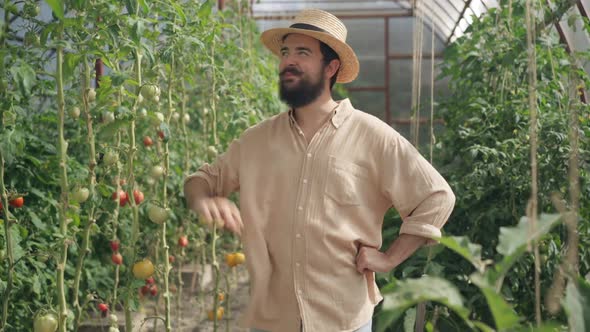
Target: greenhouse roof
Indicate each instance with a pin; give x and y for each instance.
(450, 17)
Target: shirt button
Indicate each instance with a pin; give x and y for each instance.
(309, 155)
(304, 180)
(297, 264)
(298, 235)
(300, 208)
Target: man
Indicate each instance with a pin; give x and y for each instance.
(315, 183)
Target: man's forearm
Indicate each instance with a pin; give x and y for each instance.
(403, 247)
(195, 189)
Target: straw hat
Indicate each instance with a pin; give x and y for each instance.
(325, 27)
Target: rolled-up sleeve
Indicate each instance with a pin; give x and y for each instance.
(416, 189)
(222, 175)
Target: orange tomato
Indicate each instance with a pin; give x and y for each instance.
(230, 260)
(220, 312)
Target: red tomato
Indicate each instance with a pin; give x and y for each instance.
(115, 245)
(103, 307)
(117, 258)
(123, 198)
(154, 290)
(183, 241)
(147, 141)
(17, 202)
(138, 195)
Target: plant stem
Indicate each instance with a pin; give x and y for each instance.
(92, 184)
(214, 93)
(134, 207)
(165, 246)
(9, 248)
(117, 206)
(63, 206)
(215, 265)
(533, 202)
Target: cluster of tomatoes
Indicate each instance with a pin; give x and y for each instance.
(116, 257)
(220, 310)
(124, 198)
(150, 287)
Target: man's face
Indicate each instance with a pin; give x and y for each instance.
(302, 76)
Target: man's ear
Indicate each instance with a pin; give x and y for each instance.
(332, 68)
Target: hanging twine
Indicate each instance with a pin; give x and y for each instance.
(533, 201)
(417, 72)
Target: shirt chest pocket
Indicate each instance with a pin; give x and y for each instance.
(346, 182)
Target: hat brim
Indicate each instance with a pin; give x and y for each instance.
(349, 64)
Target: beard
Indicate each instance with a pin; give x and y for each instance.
(302, 93)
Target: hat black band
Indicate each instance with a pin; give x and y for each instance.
(306, 26)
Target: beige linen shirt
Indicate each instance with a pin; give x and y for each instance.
(308, 208)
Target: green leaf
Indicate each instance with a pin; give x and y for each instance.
(24, 76)
(17, 250)
(410, 292)
(512, 239)
(36, 284)
(36, 220)
(410, 320)
(144, 6)
(110, 130)
(546, 327)
(57, 7)
(577, 305)
(462, 246)
(180, 13)
(504, 315)
(205, 10)
(131, 6)
(71, 61)
(137, 31)
(7, 146)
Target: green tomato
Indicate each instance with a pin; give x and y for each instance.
(81, 195)
(45, 323)
(111, 158)
(150, 92)
(75, 112)
(157, 172)
(108, 117)
(31, 9)
(32, 39)
(91, 95)
(157, 214)
(212, 151)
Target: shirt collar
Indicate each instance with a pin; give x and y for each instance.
(341, 113)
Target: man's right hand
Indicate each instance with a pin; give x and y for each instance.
(214, 209)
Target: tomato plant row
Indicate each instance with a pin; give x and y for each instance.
(104, 112)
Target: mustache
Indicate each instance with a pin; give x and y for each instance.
(291, 70)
